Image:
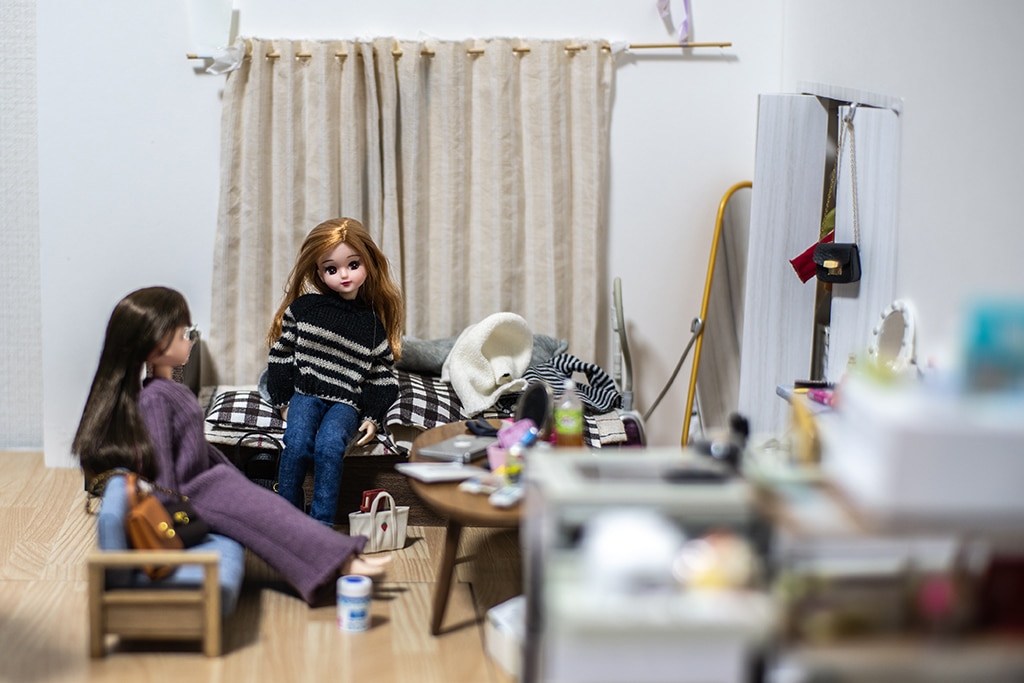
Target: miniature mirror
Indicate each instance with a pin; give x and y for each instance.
(537, 403)
(893, 340)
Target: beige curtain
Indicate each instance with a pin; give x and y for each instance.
(480, 167)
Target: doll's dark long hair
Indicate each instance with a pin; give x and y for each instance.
(111, 432)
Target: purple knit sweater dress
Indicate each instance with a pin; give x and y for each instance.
(305, 552)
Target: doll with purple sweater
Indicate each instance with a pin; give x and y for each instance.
(155, 427)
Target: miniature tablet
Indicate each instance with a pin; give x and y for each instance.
(461, 448)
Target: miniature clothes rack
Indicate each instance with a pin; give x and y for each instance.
(398, 52)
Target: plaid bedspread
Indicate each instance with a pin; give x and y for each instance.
(423, 402)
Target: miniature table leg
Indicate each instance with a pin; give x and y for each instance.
(444, 575)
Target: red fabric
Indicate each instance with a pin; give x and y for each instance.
(804, 263)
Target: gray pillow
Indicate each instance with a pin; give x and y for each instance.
(545, 348)
(426, 356)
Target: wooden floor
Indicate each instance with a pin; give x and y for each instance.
(45, 536)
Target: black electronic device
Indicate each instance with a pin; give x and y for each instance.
(727, 449)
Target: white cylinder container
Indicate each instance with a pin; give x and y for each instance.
(354, 602)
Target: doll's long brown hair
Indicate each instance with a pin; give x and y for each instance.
(379, 290)
(111, 432)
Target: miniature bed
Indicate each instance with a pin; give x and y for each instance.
(243, 424)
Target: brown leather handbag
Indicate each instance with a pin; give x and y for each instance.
(149, 526)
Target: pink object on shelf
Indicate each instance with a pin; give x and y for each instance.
(521, 431)
(496, 456)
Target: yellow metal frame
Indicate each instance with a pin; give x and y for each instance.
(687, 415)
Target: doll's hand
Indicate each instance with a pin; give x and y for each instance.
(370, 430)
(284, 413)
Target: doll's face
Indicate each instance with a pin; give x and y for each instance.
(175, 349)
(342, 270)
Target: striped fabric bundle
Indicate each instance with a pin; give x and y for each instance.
(599, 394)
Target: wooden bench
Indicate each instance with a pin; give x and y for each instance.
(187, 605)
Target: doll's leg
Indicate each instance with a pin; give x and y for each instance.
(339, 424)
(304, 414)
(364, 565)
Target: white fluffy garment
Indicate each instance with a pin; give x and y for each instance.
(488, 360)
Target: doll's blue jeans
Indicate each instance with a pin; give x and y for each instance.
(317, 434)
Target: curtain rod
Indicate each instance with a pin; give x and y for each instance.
(426, 52)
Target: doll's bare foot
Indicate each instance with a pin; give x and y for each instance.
(373, 567)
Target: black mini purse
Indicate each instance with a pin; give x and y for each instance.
(189, 527)
(839, 262)
(262, 467)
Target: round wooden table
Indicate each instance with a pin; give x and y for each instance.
(461, 508)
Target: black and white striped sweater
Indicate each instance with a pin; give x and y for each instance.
(333, 349)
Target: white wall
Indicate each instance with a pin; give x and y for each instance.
(21, 402)
(129, 151)
(128, 165)
(956, 67)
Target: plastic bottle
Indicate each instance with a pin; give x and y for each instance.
(514, 464)
(569, 417)
(354, 602)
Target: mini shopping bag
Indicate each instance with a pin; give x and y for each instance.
(384, 527)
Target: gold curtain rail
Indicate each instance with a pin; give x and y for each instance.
(476, 51)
